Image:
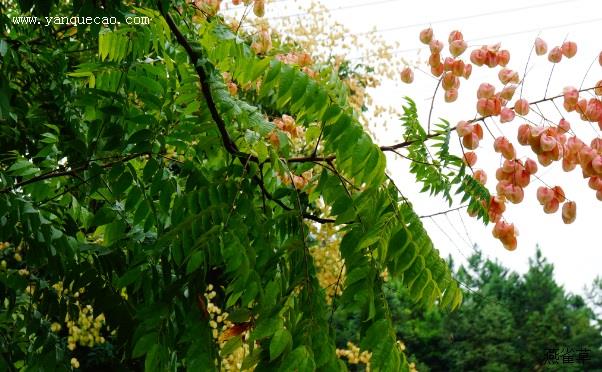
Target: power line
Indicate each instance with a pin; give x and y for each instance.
(301, 14)
(361, 5)
(511, 10)
(401, 51)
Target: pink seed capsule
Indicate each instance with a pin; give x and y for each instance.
(508, 76)
(564, 126)
(463, 128)
(457, 47)
(435, 59)
(436, 46)
(531, 166)
(569, 49)
(555, 55)
(478, 56)
(470, 158)
(480, 176)
(541, 47)
(485, 90)
(524, 132)
(407, 75)
(451, 95)
(426, 36)
(467, 71)
(259, 8)
(506, 115)
(438, 70)
(454, 36)
(508, 92)
(503, 57)
(569, 212)
(458, 68)
(448, 63)
(521, 107)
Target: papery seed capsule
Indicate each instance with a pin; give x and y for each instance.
(451, 95)
(454, 36)
(541, 47)
(436, 46)
(555, 55)
(426, 35)
(259, 8)
(485, 90)
(531, 166)
(521, 107)
(506, 115)
(470, 158)
(407, 75)
(569, 212)
(467, 71)
(503, 57)
(569, 49)
(508, 92)
(457, 47)
(463, 128)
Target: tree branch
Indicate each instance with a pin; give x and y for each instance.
(61, 172)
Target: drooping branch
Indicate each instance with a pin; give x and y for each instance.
(61, 172)
(196, 60)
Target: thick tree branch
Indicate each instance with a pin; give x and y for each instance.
(196, 60)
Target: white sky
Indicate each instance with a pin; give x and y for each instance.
(575, 250)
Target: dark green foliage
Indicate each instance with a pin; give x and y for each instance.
(126, 166)
(507, 323)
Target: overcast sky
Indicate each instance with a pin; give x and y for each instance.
(575, 250)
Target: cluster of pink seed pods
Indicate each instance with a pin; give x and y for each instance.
(549, 143)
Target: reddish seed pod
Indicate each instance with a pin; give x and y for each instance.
(508, 92)
(407, 75)
(485, 90)
(569, 49)
(467, 71)
(426, 36)
(436, 46)
(555, 55)
(541, 47)
(569, 212)
(457, 47)
(521, 107)
(451, 95)
(455, 36)
(503, 57)
(470, 158)
(435, 60)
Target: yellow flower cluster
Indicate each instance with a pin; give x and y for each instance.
(86, 329)
(354, 355)
(74, 363)
(220, 325)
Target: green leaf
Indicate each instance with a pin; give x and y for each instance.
(266, 327)
(144, 344)
(196, 259)
(280, 341)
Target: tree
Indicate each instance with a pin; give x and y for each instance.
(507, 322)
(158, 186)
(163, 185)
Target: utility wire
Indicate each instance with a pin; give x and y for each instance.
(401, 51)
